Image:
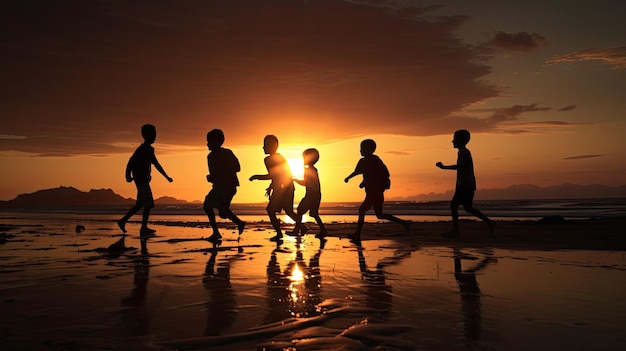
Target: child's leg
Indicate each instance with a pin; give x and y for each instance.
(319, 222)
(211, 201)
(122, 222)
(492, 224)
(225, 211)
(378, 208)
(298, 225)
(144, 221)
(145, 193)
(454, 209)
(240, 224)
(359, 225)
(275, 223)
(216, 233)
(362, 209)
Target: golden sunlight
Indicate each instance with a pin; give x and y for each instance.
(297, 167)
(296, 274)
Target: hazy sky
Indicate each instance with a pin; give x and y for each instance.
(540, 84)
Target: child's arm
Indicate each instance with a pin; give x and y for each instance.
(267, 176)
(442, 166)
(355, 173)
(260, 177)
(129, 177)
(300, 181)
(158, 167)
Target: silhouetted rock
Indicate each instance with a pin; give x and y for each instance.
(67, 197)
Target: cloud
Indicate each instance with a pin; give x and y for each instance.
(567, 108)
(582, 157)
(85, 79)
(11, 137)
(517, 42)
(399, 152)
(615, 56)
(512, 113)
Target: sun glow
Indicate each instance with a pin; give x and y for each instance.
(297, 167)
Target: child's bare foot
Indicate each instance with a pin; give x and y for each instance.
(321, 234)
(277, 237)
(355, 238)
(215, 237)
(146, 232)
(240, 227)
(122, 224)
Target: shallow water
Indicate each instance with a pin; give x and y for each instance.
(62, 290)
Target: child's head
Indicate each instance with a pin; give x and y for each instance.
(215, 139)
(148, 132)
(368, 146)
(461, 138)
(310, 156)
(270, 144)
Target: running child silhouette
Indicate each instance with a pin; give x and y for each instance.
(375, 181)
(465, 184)
(223, 167)
(138, 170)
(281, 189)
(313, 195)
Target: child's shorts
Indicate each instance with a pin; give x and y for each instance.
(220, 198)
(281, 199)
(463, 196)
(144, 195)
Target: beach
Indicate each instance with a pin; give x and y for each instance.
(542, 285)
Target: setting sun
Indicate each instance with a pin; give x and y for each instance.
(297, 167)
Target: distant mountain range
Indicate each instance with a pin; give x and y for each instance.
(72, 197)
(531, 192)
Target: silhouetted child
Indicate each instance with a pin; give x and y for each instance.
(465, 184)
(375, 181)
(313, 195)
(138, 170)
(281, 189)
(223, 168)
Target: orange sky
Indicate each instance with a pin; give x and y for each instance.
(540, 88)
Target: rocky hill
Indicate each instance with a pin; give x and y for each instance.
(72, 197)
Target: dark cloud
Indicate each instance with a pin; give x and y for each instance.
(582, 157)
(567, 108)
(80, 77)
(512, 113)
(399, 152)
(517, 42)
(615, 56)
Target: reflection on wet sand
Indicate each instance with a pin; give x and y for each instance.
(294, 292)
(378, 293)
(470, 292)
(90, 291)
(136, 316)
(221, 305)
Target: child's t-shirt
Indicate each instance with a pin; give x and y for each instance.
(375, 173)
(140, 163)
(465, 170)
(312, 181)
(223, 167)
(279, 171)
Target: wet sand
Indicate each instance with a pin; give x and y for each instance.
(554, 285)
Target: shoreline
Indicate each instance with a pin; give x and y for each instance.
(550, 233)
